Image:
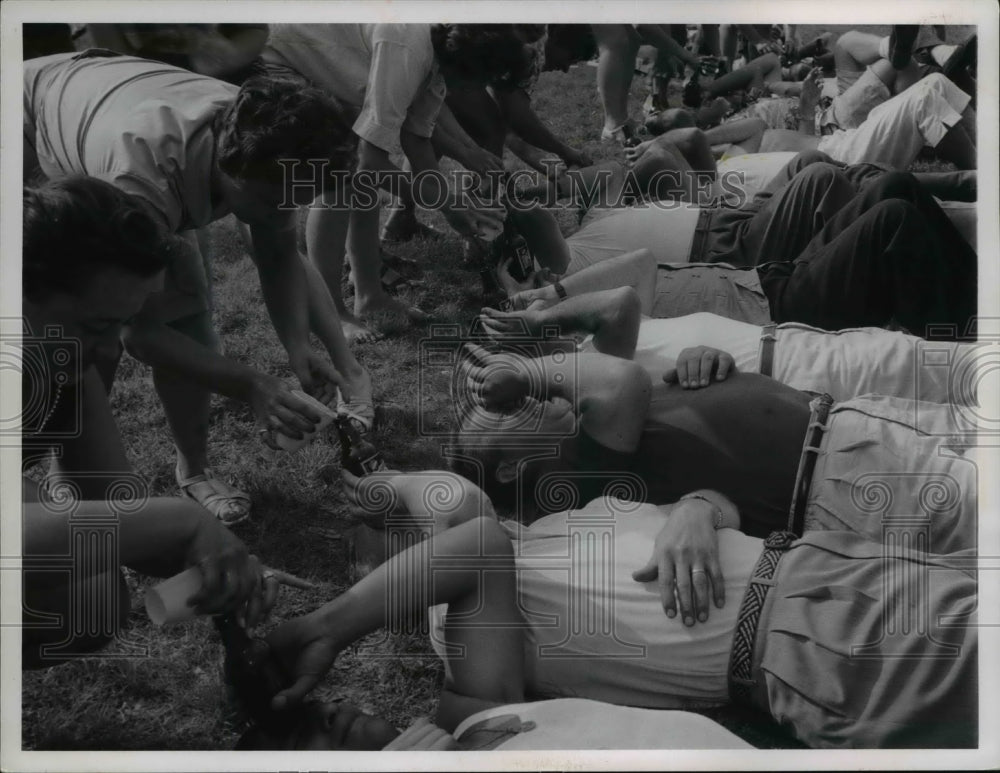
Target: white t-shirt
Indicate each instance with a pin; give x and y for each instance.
(662, 340)
(594, 632)
(575, 723)
(387, 71)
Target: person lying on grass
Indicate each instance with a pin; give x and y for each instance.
(530, 615)
(699, 348)
(932, 112)
(75, 303)
(572, 422)
(192, 150)
(832, 247)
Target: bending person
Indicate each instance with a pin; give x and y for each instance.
(92, 255)
(192, 149)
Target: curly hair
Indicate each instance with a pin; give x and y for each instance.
(75, 226)
(488, 53)
(275, 119)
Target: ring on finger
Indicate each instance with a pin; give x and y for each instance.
(699, 571)
(267, 574)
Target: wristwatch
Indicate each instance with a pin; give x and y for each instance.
(560, 291)
(716, 510)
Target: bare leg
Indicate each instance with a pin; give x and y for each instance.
(618, 45)
(469, 567)
(326, 238)
(958, 146)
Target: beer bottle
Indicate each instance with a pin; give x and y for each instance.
(357, 454)
(253, 672)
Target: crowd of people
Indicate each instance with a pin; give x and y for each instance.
(751, 323)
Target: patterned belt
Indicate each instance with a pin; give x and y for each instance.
(741, 681)
(742, 685)
(768, 338)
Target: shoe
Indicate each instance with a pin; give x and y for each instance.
(231, 506)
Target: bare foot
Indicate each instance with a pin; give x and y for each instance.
(355, 331)
(386, 305)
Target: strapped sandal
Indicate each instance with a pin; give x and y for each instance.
(360, 411)
(222, 494)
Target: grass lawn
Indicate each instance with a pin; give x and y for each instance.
(169, 696)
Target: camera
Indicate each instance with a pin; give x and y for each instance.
(441, 378)
(49, 366)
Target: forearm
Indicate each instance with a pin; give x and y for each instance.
(730, 514)
(526, 124)
(632, 269)
(611, 316)
(160, 346)
(449, 138)
(655, 35)
(283, 285)
(153, 540)
(610, 395)
(440, 499)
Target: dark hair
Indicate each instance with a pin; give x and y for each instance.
(76, 226)
(490, 53)
(282, 118)
(478, 464)
(577, 39)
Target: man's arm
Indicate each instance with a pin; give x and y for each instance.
(657, 36)
(612, 317)
(632, 269)
(286, 294)
(610, 396)
(440, 496)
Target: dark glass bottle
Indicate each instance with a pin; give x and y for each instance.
(357, 454)
(514, 247)
(254, 674)
(631, 138)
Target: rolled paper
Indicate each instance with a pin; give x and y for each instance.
(326, 413)
(166, 603)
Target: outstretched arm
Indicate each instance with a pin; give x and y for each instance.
(439, 499)
(632, 269)
(611, 316)
(610, 395)
(470, 568)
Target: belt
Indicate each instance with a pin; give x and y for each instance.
(700, 234)
(741, 682)
(768, 337)
(820, 411)
(742, 685)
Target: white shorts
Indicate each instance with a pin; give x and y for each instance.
(896, 131)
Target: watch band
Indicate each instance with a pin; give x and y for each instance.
(717, 511)
(560, 291)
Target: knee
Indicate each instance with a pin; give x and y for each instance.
(896, 185)
(896, 213)
(821, 174)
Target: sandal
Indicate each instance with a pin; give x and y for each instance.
(222, 499)
(360, 411)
